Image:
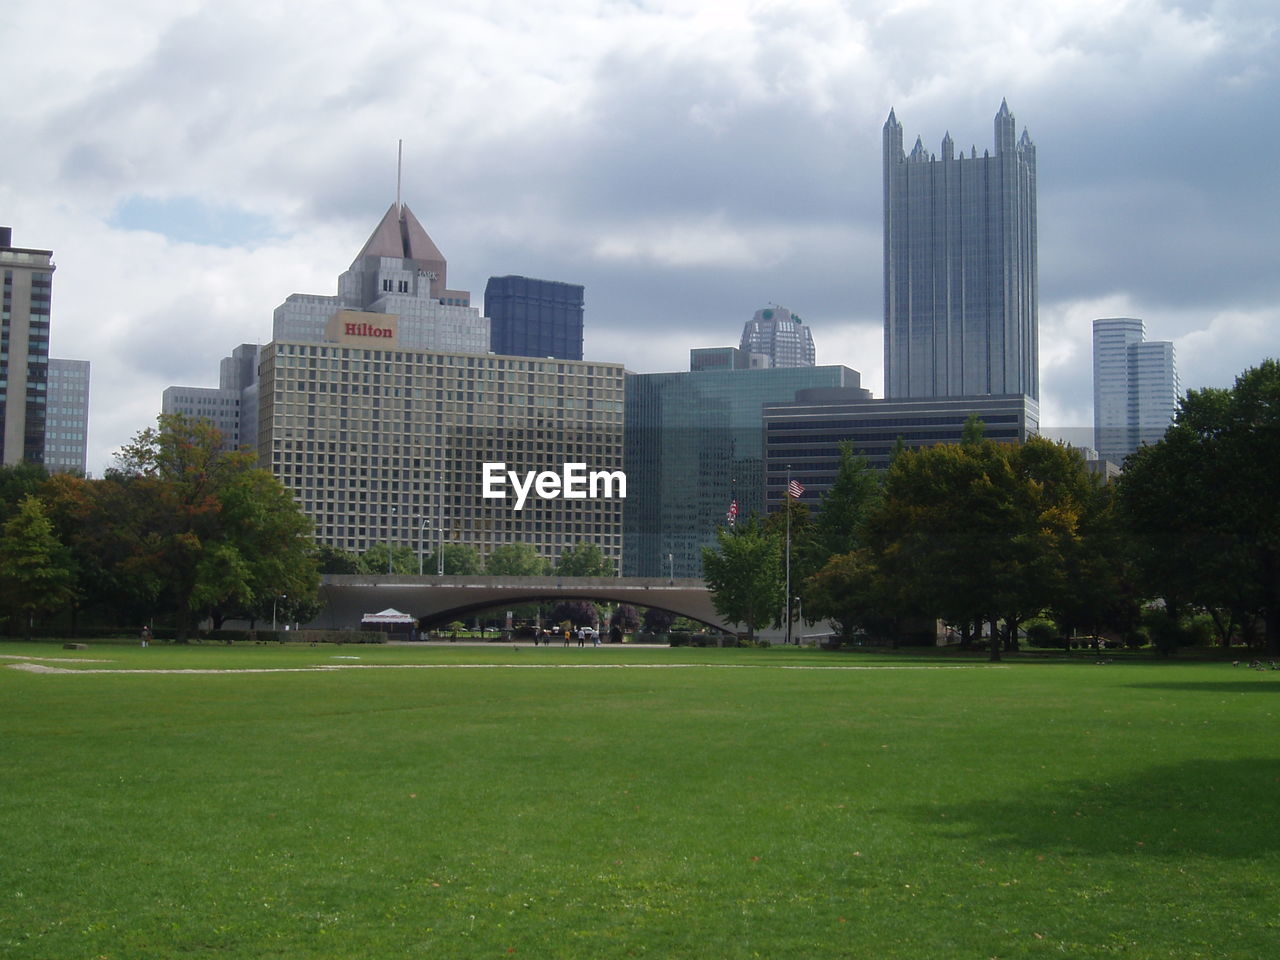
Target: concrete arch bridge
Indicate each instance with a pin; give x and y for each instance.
(347, 597)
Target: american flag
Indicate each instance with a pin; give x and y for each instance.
(794, 489)
(732, 515)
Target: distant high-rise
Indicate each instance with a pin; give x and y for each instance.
(24, 350)
(780, 335)
(67, 420)
(960, 276)
(1135, 387)
(534, 318)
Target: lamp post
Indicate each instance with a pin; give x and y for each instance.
(421, 533)
(389, 536)
(440, 538)
(800, 617)
(671, 568)
(283, 596)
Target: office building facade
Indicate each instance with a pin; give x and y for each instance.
(381, 443)
(693, 446)
(777, 333)
(802, 436)
(66, 435)
(960, 267)
(24, 349)
(1135, 387)
(534, 318)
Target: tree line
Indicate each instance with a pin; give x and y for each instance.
(981, 534)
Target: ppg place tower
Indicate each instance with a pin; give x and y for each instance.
(960, 285)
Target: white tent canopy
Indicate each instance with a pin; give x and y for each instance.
(389, 615)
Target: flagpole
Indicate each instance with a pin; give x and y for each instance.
(786, 503)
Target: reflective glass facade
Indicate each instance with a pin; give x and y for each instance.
(1135, 387)
(534, 318)
(960, 272)
(693, 445)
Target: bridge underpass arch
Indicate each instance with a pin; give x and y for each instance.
(345, 598)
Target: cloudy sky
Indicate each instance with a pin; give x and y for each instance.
(193, 162)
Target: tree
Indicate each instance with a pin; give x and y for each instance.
(35, 568)
(460, 560)
(402, 560)
(744, 573)
(1201, 503)
(17, 482)
(657, 620)
(847, 591)
(845, 506)
(979, 530)
(204, 528)
(516, 560)
(333, 560)
(626, 618)
(581, 613)
(585, 560)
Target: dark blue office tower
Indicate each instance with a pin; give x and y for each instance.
(534, 318)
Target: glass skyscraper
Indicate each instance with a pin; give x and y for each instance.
(960, 278)
(534, 318)
(693, 445)
(1135, 387)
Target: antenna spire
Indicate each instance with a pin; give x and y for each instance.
(399, 167)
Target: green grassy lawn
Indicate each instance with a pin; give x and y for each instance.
(736, 807)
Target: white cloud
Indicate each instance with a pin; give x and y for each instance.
(690, 159)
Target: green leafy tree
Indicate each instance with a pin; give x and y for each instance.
(403, 561)
(35, 568)
(18, 481)
(203, 527)
(744, 574)
(1202, 507)
(460, 560)
(977, 531)
(516, 560)
(585, 560)
(845, 506)
(333, 560)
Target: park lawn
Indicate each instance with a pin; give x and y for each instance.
(740, 806)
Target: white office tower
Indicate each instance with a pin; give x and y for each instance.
(1135, 387)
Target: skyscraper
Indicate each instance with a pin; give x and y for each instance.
(24, 350)
(694, 444)
(534, 318)
(960, 278)
(1135, 387)
(67, 418)
(781, 336)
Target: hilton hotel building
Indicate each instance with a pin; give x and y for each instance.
(385, 443)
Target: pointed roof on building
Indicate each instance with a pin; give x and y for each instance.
(400, 235)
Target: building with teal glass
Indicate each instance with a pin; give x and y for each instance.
(693, 444)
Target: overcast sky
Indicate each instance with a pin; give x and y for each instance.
(193, 163)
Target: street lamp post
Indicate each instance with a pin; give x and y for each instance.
(800, 617)
(283, 596)
(389, 536)
(421, 533)
(671, 568)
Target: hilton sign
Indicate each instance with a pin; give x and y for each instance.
(354, 326)
(366, 330)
